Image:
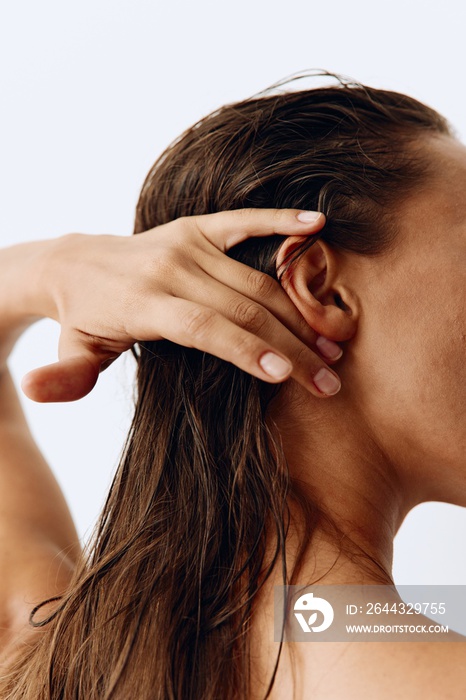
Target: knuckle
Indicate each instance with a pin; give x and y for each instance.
(245, 345)
(249, 315)
(260, 284)
(194, 231)
(245, 214)
(185, 228)
(242, 218)
(198, 321)
(164, 264)
(184, 221)
(278, 215)
(191, 223)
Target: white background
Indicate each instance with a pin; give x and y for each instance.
(92, 92)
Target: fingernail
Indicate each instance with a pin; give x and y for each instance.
(327, 382)
(308, 217)
(328, 348)
(274, 365)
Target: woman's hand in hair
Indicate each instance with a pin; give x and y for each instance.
(174, 282)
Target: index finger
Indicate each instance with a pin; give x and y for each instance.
(226, 229)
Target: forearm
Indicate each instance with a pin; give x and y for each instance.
(22, 294)
(38, 541)
(21, 304)
(29, 492)
(32, 507)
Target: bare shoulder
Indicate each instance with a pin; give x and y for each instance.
(383, 670)
(355, 670)
(39, 545)
(351, 670)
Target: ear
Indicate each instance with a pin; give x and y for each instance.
(316, 285)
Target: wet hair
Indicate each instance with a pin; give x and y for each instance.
(161, 604)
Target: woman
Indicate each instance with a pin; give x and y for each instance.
(231, 480)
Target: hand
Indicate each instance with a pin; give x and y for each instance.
(174, 282)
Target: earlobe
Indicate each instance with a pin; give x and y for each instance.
(315, 284)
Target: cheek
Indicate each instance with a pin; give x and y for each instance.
(432, 353)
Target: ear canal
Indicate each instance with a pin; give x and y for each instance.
(341, 304)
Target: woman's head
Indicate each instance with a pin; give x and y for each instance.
(373, 161)
(163, 605)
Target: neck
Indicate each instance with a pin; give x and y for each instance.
(338, 467)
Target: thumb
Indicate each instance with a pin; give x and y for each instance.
(73, 377)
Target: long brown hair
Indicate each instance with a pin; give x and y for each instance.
(161, 603)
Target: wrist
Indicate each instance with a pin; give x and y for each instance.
(23, 296)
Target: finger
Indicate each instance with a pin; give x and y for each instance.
(67, 380)
(226, 229)
(73, 377)
(251, 284)
(259, 287)
(277, 321)
(195, 325)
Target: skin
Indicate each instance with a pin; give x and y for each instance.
(393, 437)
